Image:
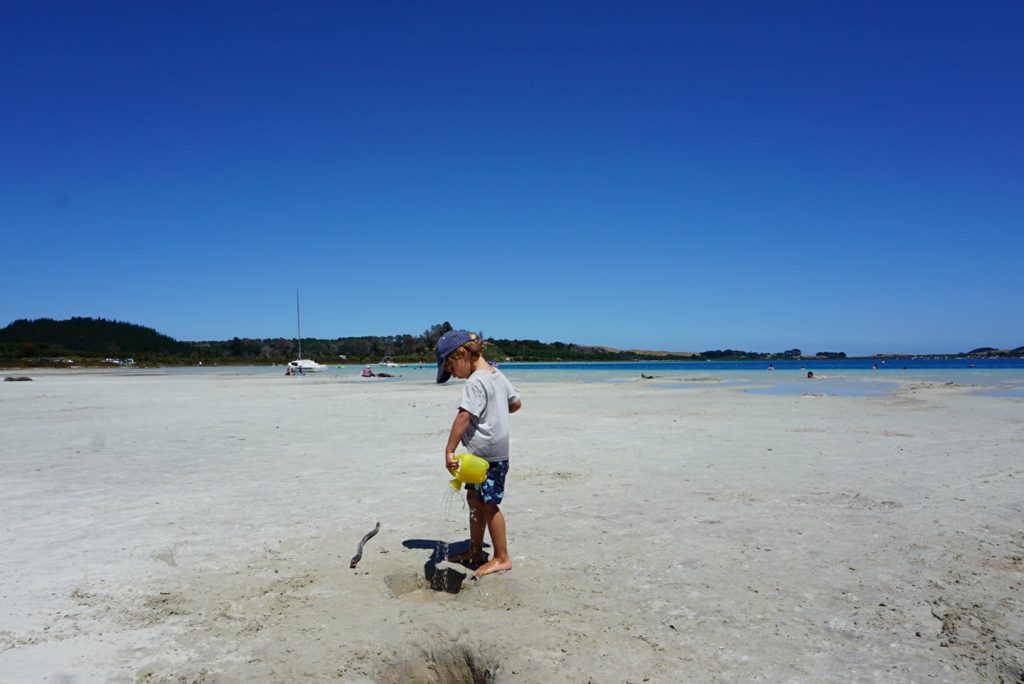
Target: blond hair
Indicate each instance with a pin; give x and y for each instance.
(474, 348)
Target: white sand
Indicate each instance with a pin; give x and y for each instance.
(179, 528)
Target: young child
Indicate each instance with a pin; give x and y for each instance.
(482, 426)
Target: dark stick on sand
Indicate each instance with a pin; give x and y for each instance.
(359, 551)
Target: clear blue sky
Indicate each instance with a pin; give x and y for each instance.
(686, 176)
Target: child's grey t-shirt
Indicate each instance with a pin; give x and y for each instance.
(486, 395)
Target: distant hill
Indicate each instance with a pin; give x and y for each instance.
(85, 336)
(992, 352)
(90, 340)
(534, 350)
(647, 352)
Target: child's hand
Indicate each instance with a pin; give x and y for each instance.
(450, 463)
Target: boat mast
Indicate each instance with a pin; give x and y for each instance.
(298, 322)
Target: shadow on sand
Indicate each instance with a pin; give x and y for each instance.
(445, 578)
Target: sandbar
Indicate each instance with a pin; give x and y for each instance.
(165, 527)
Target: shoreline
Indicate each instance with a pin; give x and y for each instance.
(881, 359)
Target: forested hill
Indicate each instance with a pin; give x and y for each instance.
(44, 341)
(90, 340)
(404, 349)
(85, 336)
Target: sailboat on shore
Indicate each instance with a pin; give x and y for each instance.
(301, 365)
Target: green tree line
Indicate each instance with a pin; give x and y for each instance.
(46, 341)
(86, 337)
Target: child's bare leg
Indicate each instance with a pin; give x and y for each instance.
(496, 526)
(477, 525)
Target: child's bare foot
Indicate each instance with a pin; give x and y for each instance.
(493, 565)
(468, 557)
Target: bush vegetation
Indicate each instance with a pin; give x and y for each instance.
(91, 341)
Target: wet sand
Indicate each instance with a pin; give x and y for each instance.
(179, 528)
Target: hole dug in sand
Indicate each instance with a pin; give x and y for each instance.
(451, 665)
(436, 583)
(442, 582)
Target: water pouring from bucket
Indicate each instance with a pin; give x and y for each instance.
(472, 470)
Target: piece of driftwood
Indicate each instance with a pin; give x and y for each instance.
(359, 551)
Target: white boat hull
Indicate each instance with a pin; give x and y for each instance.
(307, 366)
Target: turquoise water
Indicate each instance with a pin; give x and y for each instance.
(1014, 393)
(855, 377)
(989, 377)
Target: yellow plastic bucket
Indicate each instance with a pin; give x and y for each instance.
(472, 470)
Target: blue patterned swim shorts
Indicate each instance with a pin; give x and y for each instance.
(492, 490)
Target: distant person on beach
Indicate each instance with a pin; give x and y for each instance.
(482, 426)
(810, 375)
(366, 373)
